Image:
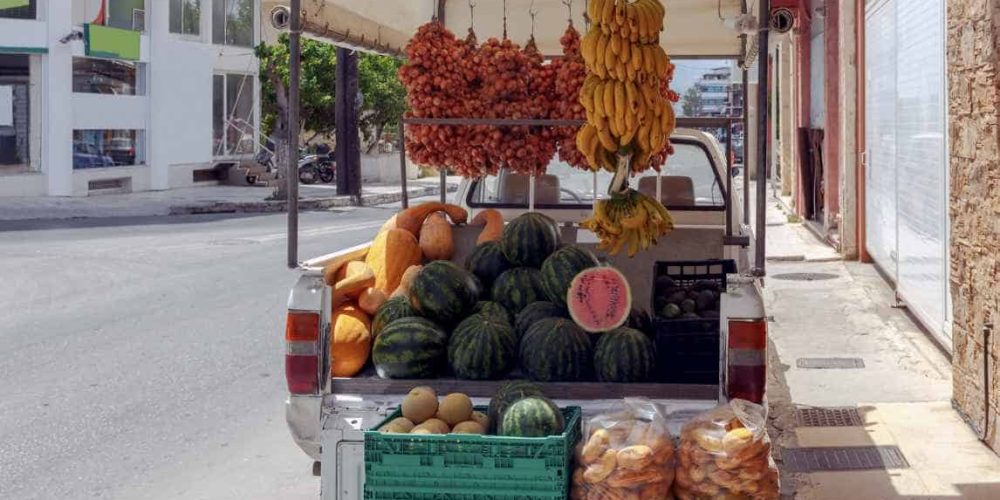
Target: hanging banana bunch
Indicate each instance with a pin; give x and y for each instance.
(628, 119)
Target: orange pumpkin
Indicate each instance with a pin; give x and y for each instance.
(371, 299)
(350, 341)
(411, 219)
(391, 253)
(436, 239)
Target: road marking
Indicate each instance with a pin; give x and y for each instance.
(318, 231)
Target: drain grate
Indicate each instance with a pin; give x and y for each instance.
(805, 276)
(843, 458)
(829, 363)
(829, 417)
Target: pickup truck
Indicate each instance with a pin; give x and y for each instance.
(327, 416)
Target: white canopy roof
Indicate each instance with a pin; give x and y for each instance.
(693, 27)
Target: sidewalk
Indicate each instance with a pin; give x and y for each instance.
(207, 199)
(883, 367)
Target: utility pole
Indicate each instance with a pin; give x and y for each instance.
(292, 171)
(348, 151)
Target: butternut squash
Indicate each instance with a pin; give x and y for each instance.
(333, 266)
(437, 240)
(371, 299)
(350, 341)
(407, 280)
(392, 252)
(412, 218)
(492, 219)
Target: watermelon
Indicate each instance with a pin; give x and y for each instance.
(490, 308)
(555, 349)
(518, 287)
(444, 292)
(487, 262)
(640, 320)
(599, 299)
(533, 416)
(561, 267)
(624, 355)
(535, 312)
(529, 239)
(391, 310)
(509, 393)
(482, 348)
(410, 348)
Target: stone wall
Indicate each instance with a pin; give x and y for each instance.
(974, 106)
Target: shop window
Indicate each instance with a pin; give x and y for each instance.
(107, 148)
(234, 123)
(127, 14)
(107, 76)
(16, 115)
(18, 9)
(233, 22)
(185, 17)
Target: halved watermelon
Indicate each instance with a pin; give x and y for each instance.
(599, 299)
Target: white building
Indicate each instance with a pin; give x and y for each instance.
(715, 87)
(124, 95)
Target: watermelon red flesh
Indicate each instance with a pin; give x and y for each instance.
(599, 299)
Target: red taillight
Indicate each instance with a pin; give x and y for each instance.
(302, 353)
(746, 359)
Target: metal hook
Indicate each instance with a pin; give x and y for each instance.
(472, 15)
(504, 19)
(569, 6)
(532, 12)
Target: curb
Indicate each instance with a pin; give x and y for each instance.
(313, 204)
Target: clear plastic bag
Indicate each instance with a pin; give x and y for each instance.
(626, 455)
(726, 453)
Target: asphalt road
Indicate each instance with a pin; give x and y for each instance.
(143, 358)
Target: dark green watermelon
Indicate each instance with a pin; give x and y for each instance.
(561, 267)
(490, 308)
(555, 350)
(624, 355)
(482, 348)
(410, 348)
(535, 312)
(444, 292)
(533, 416)
(487, 262)
(509, 393)
(391, 310)
(517, 288)
(529, 239)
(640, 320)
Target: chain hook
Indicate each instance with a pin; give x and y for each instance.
(472, 15)
(532, 12)
(504, 19)
(569, 7)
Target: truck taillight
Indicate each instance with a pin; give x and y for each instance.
(746, 359)
(302, 352)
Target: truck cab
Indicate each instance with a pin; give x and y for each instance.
(327, 416)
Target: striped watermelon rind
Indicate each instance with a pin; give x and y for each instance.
(599, 299)
(410, 348)
(487, 262)
(556, 350)
(533, 416)
(444, 292)
(529, 239)
(491, 308)
(624, 355)
(391, 310)
(518, 287)
(561, 267)
(509, 393)
(535, 312)
(482, 348)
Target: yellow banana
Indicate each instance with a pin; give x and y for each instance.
(648, 59)
(631, 96)
(610, 56)
(636, 59)
(642, 138)
(621, 105)
(625, 53)
(630, 130)
(602, 43)
(643, 20)
(655, 138)
(606, 140)
(598, 100)
(668, 120)
(616, 43)
(661, 61)
(594, 7)
(588, 45)
(584, 135)
(620, 12)
(607, 19)
(620, 71)
(630, 73)
(608, 98)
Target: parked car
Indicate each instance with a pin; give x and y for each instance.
(121, 150)
(86, 155)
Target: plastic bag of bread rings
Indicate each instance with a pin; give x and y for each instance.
(726, 453)
(625, 455)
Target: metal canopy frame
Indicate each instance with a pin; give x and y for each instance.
(295, 33)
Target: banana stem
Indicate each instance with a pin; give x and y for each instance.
(619, 183)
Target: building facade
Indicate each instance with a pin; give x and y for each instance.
(124, 95)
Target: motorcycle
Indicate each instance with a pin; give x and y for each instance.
(316, 166)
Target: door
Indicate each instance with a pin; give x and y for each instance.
(906, 182)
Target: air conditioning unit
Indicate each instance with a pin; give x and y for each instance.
(138, 20)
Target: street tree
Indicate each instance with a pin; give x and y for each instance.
(691, 104)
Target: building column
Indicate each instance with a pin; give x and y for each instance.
(57, 100)
(847, 83)
(156, 140)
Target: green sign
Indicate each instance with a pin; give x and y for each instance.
(112, 43)
(13, 4)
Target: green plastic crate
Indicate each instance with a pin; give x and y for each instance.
(468, 466)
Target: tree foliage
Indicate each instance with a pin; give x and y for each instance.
(691, 104)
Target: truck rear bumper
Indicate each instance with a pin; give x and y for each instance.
(303, 414)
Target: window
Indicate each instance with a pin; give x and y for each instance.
(185, 17)
(107, 76)
(126, 14)
(689, 182)
(233, 113)
(18, 9)
(17, 94)
(232, 22)
(107, 148)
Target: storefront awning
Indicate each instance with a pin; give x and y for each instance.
(694, 28)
